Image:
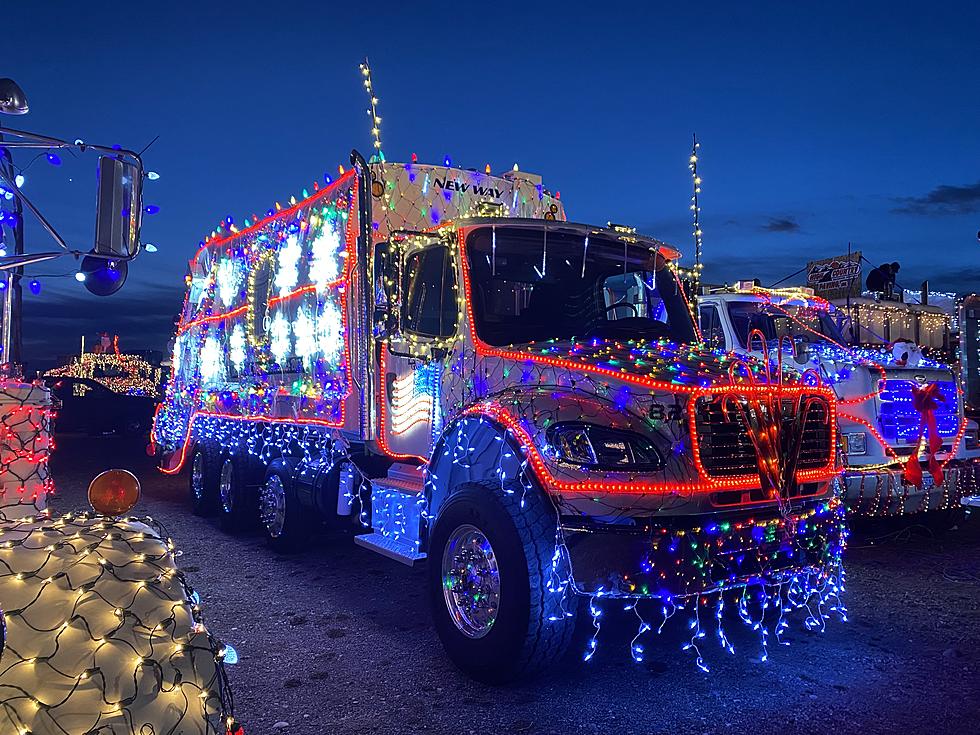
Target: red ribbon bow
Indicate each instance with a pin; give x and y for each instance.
(926, 401)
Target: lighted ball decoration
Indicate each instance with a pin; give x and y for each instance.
(103, 632)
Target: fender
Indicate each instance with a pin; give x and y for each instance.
(472, 448)
(290, 464)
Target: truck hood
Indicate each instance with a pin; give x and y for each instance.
(827, 354)
(660, 390)
(685, 366)
(844, 368)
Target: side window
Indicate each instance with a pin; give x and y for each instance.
(714, 336)
(429, 293)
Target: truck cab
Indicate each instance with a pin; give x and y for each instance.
(521, 402)
(891, 402)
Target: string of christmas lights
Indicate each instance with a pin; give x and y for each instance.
(121, 373)
(25, 444)
(104, 634)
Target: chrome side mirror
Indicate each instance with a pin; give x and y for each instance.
(119, 208)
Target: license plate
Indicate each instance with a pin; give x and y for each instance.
(928, 481)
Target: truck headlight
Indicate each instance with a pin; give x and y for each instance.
(602, 448)
(855, 442)
(970, 439)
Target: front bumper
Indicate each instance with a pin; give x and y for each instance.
(678, 556)
(884, 492)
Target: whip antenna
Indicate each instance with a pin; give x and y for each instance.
(372, 111)
(696, 212)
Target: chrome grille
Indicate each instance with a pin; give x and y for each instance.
(726, 449)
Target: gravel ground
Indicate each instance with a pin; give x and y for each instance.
(338, 640)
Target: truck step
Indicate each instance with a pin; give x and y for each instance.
(403, 551)
(970, 501)
(396, 516)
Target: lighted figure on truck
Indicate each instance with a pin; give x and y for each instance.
(436, 356)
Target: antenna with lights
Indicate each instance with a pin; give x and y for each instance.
(372, 111)
(696, 211)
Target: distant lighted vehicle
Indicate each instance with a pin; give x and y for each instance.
(87, 406)
(106, 391)
(890, 400)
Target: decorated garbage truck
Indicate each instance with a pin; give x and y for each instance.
(908, 446)
(437, 358)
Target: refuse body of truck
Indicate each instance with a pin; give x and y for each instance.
(437, 357)
(99, 629)
(908, 446)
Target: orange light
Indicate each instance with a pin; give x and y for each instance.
(114, 492)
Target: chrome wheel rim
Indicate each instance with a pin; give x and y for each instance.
(225, 485)
(197, 476)
(272, 506)
(470, 581)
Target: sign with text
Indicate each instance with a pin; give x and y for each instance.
(835, 278)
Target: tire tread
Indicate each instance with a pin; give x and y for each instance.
(536, 524)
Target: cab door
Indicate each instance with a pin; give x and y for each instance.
(413, 357)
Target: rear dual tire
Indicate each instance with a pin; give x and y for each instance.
(218, 484)
(203, 484)
(284, 523)
(236, 509)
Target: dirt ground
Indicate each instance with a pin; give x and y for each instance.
(338, 640)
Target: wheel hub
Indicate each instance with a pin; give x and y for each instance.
(225, 486)
(197, 476)
(272, 506)
(471, 581)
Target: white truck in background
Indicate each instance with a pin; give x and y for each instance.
(885, 399)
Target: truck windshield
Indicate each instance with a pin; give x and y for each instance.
(802, 323)
(527, 287)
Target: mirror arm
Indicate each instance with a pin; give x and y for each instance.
(17, 261)
(37, 212)
(44, 141)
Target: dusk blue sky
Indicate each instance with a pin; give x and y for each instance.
(856, 122)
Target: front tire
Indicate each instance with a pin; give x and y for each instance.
(491, 563)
